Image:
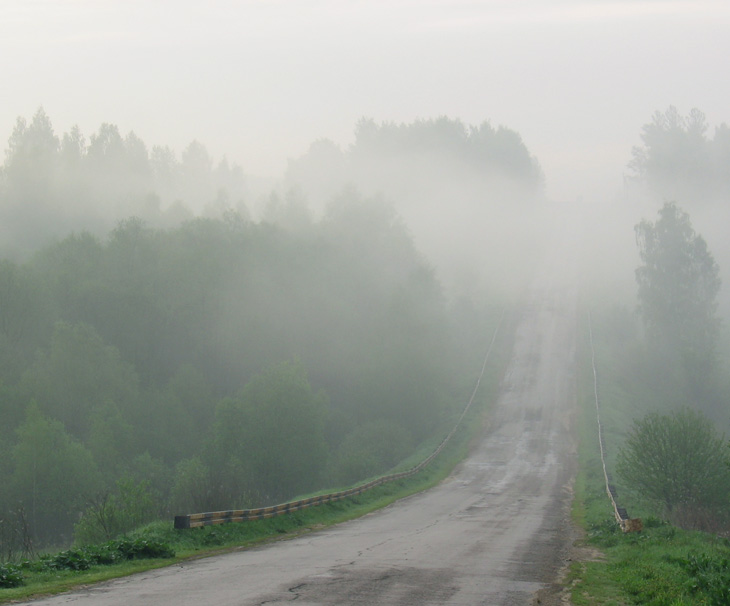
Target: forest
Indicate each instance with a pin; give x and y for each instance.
(163, 351)
(172, 341)
(665, 346)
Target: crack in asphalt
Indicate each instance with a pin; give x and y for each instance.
(295, 590)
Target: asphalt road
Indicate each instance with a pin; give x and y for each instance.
(495, 532)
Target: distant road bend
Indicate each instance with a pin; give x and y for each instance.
(495, 532)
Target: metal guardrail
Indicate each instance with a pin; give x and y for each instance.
(196, 520)
(627, 523)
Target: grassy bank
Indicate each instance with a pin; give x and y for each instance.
(211, 540)
(201, 542)
(662, 565)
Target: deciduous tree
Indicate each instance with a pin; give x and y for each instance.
(51, 472)
(274, 431)
(678, 287)
(676, 462)
(678, 160)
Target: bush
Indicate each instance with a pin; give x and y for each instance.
(10, 576)
(112, 514)
(72, 559)
(139, 549)
(83, 558)
(676, 463)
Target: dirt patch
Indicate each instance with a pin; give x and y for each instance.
(557, 592)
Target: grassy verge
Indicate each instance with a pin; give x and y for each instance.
(211, 540)
(662, 565)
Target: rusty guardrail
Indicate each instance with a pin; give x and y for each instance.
(195, 520)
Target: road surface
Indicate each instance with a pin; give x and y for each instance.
(495, 532)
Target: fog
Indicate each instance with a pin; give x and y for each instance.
(258, 82)
(216, 220)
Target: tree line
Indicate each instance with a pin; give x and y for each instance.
(678, 161)
(173, 363)
(225, 363)
(670, 364)
(51, 185)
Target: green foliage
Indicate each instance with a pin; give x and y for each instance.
(77, 375)
(191, 488)
(110, 438)
(103, 554)
(22, 317)
(12, 413)
(142, 341)
(678, 287)
(662, 565)
(271, 437)
(10, 576)
(160, 540)
(80, 559)
(369, 450)
(711, 577)
(650, 567)
(653, 566)
(109, 515)
(677, 463)
(173, 419)
(51, 472)
(141, 548)
(678, 160)
(54, 185)
(71, 559)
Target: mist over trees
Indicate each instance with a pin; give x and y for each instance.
(236, 353)
(678, 161)
(678, 287)
(673, 375)
(677, 462)
(682, 171)
(164, 350)
(464, 191)
(682, 159)
(51, 185)
(153, 361)
(409, 159)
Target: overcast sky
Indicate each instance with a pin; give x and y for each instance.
(258, 81)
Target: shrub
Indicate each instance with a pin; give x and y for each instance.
(109, 515)
(72, 559)
(10, 576)
(83, 558)
(676, 463)
(139, 549)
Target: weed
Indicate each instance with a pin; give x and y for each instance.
(709, 576)
(10, 576)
